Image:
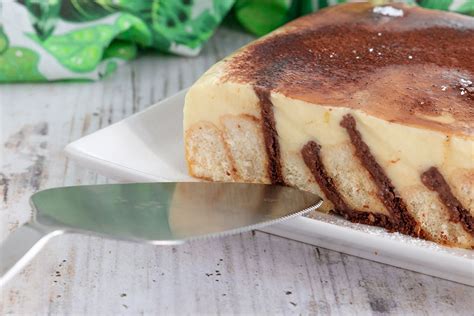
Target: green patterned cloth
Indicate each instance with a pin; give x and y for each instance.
(48, 40)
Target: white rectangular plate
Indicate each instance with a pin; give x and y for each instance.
(148, 146)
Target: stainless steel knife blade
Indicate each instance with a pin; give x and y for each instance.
(154, 213)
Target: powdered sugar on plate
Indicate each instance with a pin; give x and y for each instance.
(388, 11)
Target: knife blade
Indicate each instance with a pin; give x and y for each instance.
(154, 213)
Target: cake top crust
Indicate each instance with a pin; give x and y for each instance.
(403, 64)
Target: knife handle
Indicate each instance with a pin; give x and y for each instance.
(21, 246)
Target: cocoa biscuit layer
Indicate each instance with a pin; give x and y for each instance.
(270, 136)
(312, 158)
(415, 70)
(387, 194)
(435, 181)
(367, 218)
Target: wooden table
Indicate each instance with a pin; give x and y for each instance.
(251, 273)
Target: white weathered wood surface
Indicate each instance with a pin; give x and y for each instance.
(244, 274)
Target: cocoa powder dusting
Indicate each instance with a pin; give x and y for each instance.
(400, 69)
(331, 51)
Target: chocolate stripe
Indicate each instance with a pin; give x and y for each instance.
(270, 136)
(387, 193)
(435, 181)
(312, 158)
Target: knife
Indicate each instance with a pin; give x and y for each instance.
(154, 213)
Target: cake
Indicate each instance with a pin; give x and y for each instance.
(370, 107)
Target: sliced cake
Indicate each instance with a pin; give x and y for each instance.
(370, 107)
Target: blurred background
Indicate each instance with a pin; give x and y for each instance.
(50, 40)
